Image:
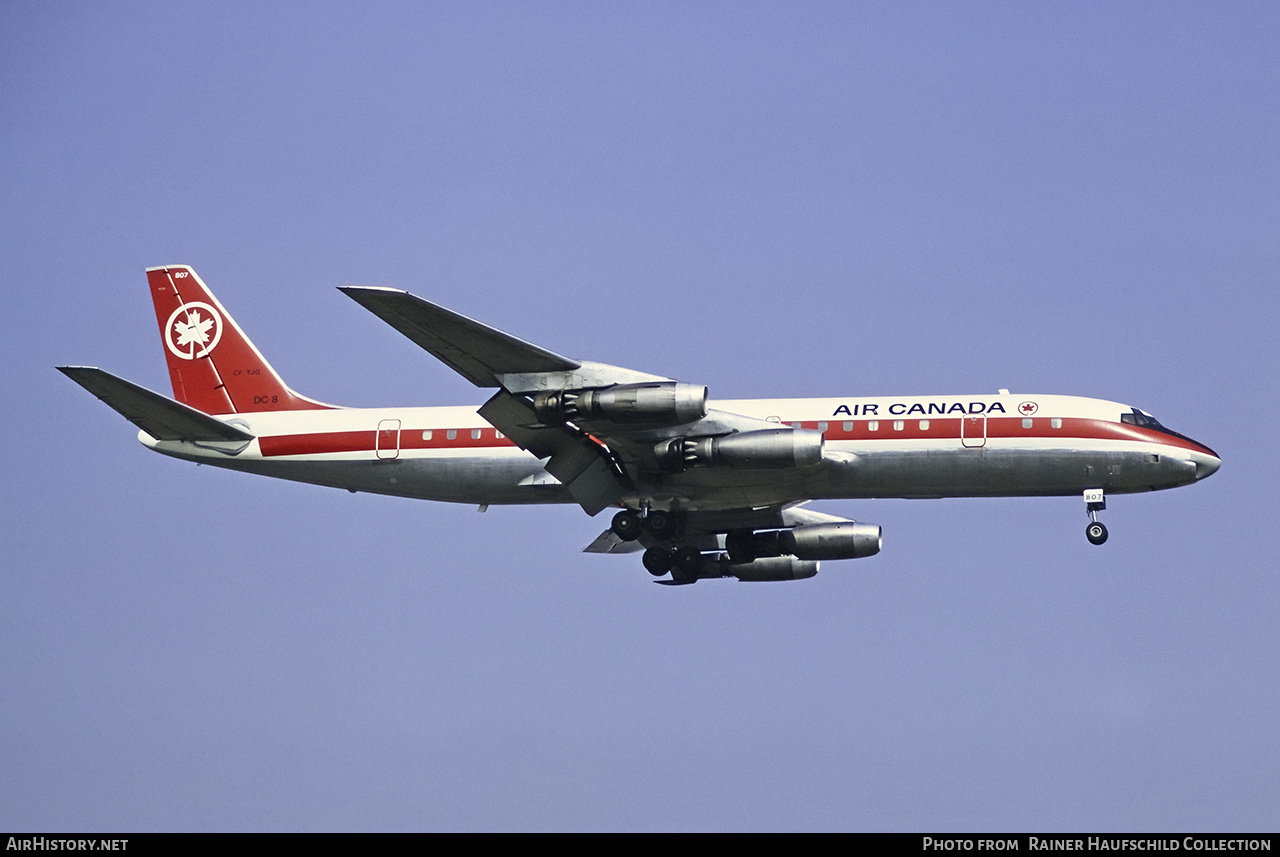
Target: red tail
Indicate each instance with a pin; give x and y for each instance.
(213, 365)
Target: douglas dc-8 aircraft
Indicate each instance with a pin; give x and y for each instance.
(706, 489)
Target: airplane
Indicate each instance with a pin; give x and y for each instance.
(706, 489)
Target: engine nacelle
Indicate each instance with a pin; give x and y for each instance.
(841, 540)
(749, 450)
(771, 568)
(712, 566)
(844, 540)
(660, 403)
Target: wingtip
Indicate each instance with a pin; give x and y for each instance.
(352, 291)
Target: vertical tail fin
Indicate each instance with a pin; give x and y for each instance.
(213, 365)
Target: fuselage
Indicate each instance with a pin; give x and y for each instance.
(874, 447)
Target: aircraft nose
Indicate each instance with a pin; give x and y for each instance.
(1207, 465)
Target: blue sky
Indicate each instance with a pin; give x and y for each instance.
(770, 199)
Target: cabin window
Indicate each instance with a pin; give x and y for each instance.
(451, 434)
(475, 434)
(924, 425)
(499, 435)
(873, 425)
(848, 426)
(1056, 422)
(1026, 423)
(898, 425)
(426, 435)
(822, 427)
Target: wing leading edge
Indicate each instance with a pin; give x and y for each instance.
(484, 355)
(476, 351)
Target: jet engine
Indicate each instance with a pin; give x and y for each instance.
(661, 403)
(844, 540)
(770, 568)
(710, 566)
(748, 450)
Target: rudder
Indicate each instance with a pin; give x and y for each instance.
(212, 364)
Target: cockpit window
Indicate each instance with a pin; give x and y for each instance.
(1138, 418)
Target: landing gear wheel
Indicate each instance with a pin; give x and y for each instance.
(687, 560)
(661, 525)
(626, 525)
(657, 561)
(1096, 533)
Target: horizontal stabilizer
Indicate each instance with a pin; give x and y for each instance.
(474, 350)
(157, 415)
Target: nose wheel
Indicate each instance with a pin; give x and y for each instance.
(1096, 532)
(1094, 502)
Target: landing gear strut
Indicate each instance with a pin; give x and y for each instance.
(1095, 501)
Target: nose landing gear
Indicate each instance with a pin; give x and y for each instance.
(1095, 501)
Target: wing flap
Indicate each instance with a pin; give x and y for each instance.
(157, 415)
(577, 460)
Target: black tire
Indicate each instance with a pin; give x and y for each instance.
(687, 560)
(1096, 532)
(661, 525)
(627, 525)
(657, 561)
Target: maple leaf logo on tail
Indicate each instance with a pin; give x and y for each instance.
(193, 330)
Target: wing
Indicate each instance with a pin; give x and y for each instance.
(612, 436)
(477, 352)
(485, 356)
(488, 357)
(608, 542)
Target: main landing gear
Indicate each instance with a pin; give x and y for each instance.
(629, 524)
(682, 561)
(1095, 501)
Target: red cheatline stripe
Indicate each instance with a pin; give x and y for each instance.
(319, 443)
